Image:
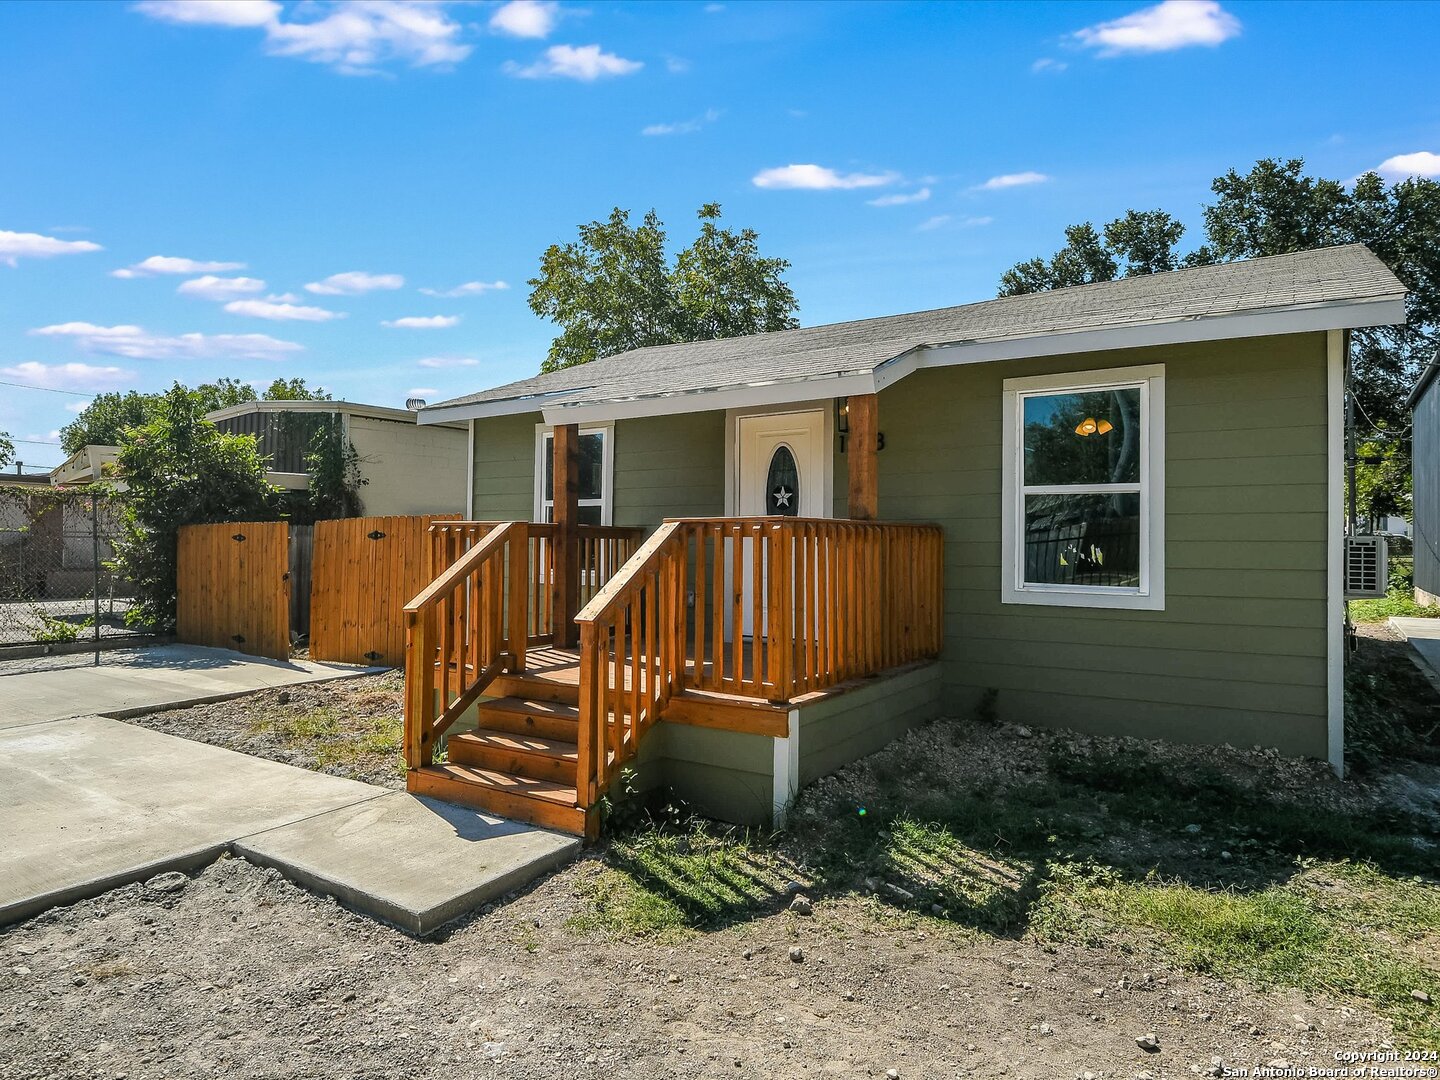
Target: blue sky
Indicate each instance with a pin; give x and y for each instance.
(230, 159)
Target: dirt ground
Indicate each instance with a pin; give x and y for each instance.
(235, 972)
(239, 973)
(349, 727)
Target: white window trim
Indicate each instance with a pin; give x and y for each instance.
(1151, 594)
(606, 502)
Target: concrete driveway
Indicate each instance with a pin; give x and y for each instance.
(128, 682)
(88, 802)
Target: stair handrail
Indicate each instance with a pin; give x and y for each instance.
(478, 638)
(646, 596)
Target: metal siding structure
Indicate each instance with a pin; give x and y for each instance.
(1426, 478)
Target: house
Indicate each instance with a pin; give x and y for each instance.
(735, 565)
(406, 469)
(90, 464)
(1424, 406)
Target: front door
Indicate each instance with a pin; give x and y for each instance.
(781, 468)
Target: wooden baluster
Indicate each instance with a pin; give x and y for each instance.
(652, 647)
(718, 603)
(758, 613)
(518, 626)
(700, 569)
(592, 700)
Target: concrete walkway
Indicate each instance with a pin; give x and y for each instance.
(88, 803)
(1423, 636)
(129, 682)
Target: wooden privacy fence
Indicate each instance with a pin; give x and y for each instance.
(233, 587)
(363, 573)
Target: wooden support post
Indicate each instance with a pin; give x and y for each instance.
(862, 457)
(566, 585)
(518, 629)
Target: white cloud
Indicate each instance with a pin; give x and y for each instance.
(1401, 166)
(818, 178)
(169, 264)
(1009, 180)
(212, 12)
(284, 298)
(583, 62)
(421, 391)
(933, 223)
(901, 199)
(268, 309)
(354, 282)
(683, 127)
(470, 288)
(355, 37)
(136, 343)
(1172, 24)
(447, 362)
(525, 18)
(1046, 63)
(210, 287)
(975, 222)
(422, 322)
(15, 246)
(72, 376)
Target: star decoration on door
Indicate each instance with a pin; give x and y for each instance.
(782, 495)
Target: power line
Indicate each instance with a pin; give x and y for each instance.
(47, 389)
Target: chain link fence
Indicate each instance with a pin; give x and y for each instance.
(56, 583)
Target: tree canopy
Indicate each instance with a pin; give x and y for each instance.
(615, 288)
(107, 415)
(1275, 209)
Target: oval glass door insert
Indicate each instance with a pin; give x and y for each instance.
(782, 485)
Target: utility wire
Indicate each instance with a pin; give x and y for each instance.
(47, 389)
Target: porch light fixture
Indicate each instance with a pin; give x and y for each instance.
(1091, 426)
(842, 415)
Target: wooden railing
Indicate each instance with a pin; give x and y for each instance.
(767, 608)
(632, 655)
(602, 550)
(467, 627)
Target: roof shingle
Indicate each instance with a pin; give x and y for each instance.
(1326, 275)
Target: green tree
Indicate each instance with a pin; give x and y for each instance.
(615, 289)
(181, 470)
(107, 415)
(1276, 209)
(7, 449)
(294, 389)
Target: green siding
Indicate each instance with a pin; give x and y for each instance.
(1238, 654)
(836, 731)
(725, 774)
(505, 467)
(669, 466)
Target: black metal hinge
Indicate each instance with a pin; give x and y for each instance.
(372, 655)
(376, 535)
(238, 537)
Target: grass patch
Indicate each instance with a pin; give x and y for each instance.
(336, 738)
(1344, 929)
(1396, 603)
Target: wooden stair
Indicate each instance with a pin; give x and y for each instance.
(520, 761)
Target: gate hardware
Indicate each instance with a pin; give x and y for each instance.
(376, 535)
(238, 536)
(372, 655)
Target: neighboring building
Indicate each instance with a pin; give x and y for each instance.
(1139, 484)
(1424, 406)
(407, 469)
(86, 466)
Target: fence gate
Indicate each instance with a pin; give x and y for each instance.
(234, 588)
(363, 573)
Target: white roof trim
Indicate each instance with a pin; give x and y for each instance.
(476, 410)
(348, 408)
(788, 392)
(1295, 319)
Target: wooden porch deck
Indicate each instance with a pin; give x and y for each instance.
(833, 601)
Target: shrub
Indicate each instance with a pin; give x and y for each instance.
(181, 470)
